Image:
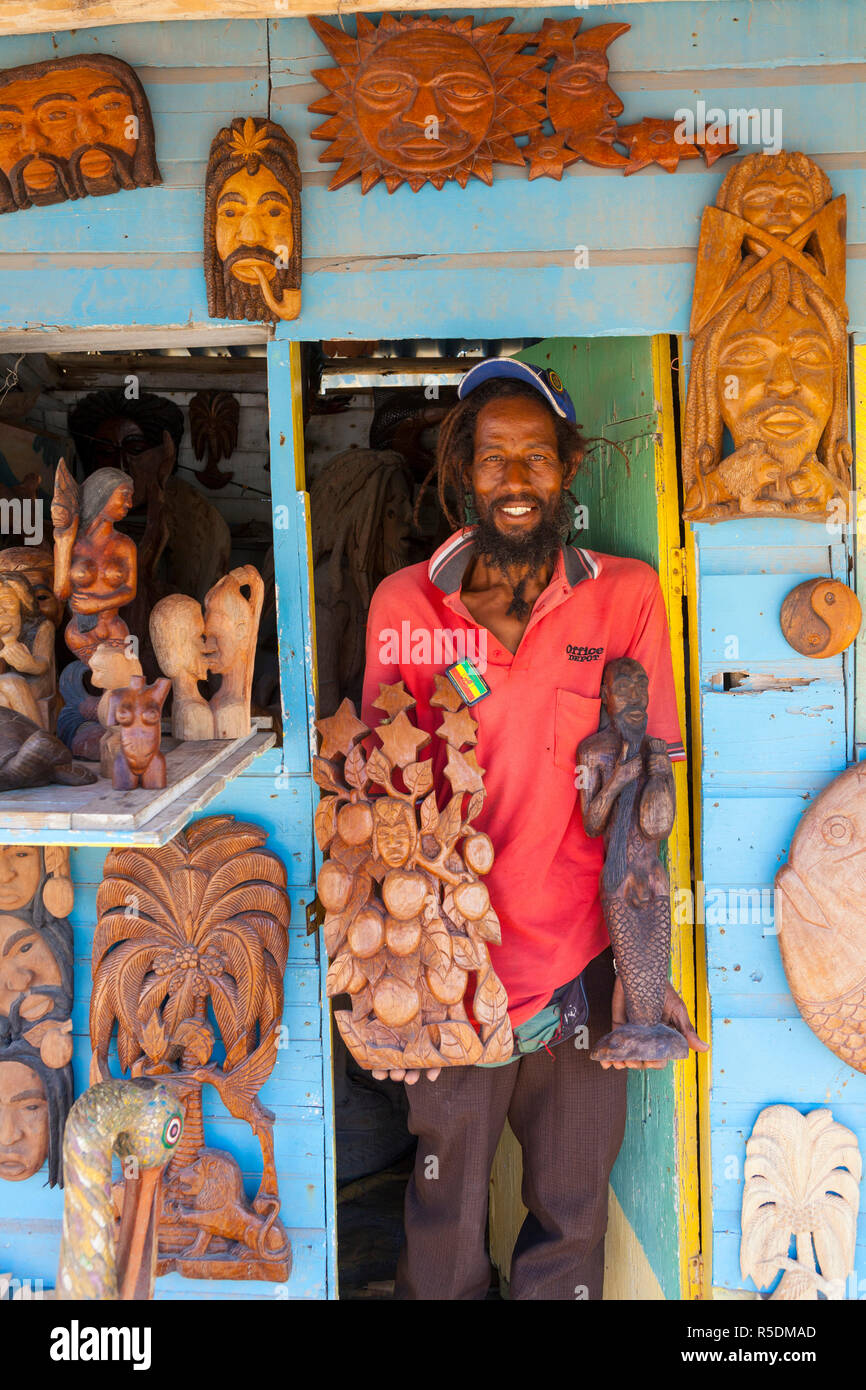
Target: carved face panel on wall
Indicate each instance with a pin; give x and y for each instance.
(417, 100)
(20, 874)
(253, 223)
(580, 101)
(27, 963)
(23, 1121)
(71, 127)
(770, 360)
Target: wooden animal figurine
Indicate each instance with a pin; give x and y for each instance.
(140, 1120)
(628, 797)
(213, 424)
(407, 916)
(474, 82)
(28, 681)
(136, 709)
(232, 610)
(802, 1183)
(820, 916)
(97, 140)
(184, 651)
(31, 757)
(770, 361)
(217, 937)
(252, 223)
(821, 617)
(95, 567)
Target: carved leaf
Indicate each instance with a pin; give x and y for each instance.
(340, 972)
(448, 827)
(378, 768)
(362, 1003)
(476, 801)
(326, 775)
(374, 967)
(429, 814)
(406, 967)
(418, 778)
(334, 931)
(196, 1039)
(802, 1176)
(490, 1002)
(436, 947)
(488, 928)
(355, 768)
(465, 953)
(326, 820)
(459, 1043)
(499, 1044)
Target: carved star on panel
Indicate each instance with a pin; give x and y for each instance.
(547, 156)
(556, 38)
(655, 141)
(458, 728)
(401, 740)
(393, 698)
(445, 695)
(463, 772)
(340, 731)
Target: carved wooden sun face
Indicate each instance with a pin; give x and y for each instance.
(784, 379)
(421, 100)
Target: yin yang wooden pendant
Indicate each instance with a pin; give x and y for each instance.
(820, 617)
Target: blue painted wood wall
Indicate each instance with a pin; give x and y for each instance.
(489, 262)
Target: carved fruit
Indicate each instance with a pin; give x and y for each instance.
(394, 1002)
(56, 1049)
(355, 822)
(334, 885)
(450, 988)
(404, 893)
(472, 900)
(366, 934)
(403, 937)
(478, 852)
(58, 896)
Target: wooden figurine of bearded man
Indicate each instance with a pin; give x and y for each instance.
(628, 796)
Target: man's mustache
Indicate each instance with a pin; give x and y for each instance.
(249, 253)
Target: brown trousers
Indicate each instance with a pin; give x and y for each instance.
(569, 1117)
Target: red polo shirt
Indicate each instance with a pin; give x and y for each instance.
(543, 700)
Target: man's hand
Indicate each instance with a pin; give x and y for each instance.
(674, 1013)
(410, 1077)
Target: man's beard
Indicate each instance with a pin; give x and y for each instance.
(245, 300)
(533, 550)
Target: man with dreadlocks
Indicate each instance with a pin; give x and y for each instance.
(547, 617)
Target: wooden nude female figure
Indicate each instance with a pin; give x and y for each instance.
(95, 567)
(628, 796)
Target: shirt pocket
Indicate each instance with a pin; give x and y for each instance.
(574, 717)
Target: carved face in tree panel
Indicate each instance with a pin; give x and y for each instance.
(24, 1121)
(253, 223)
(394, 832)
(73, 127)
(418, 100)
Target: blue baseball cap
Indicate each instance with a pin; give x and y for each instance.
(545, 381)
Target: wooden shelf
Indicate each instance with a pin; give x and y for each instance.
(98, 815)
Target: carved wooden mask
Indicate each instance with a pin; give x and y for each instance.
(581, 104)
(252, 223)
(36, 963)
(420, 100)
(770, 359)
(70, 127)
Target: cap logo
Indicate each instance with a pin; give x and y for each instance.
(555, 381)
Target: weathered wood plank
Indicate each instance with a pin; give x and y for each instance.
(775, 730)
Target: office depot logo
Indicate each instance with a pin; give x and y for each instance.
(438, 646)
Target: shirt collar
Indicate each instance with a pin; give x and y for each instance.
(448, 564)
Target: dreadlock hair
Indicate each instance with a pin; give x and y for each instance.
(757, 167)
(456, 443)
(770, 293)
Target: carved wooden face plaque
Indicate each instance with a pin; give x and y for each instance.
(252, 227)
(408, 918)
(417, 100)
(70, 127)
(770, 361)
